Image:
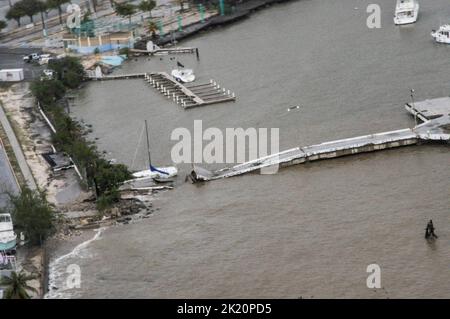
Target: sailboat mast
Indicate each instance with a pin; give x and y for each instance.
(148, 146)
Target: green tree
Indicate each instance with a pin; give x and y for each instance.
(147, 6)
(69, 71)
(125, 10)
(57, 4)
(47, 91)
(2, 25)
(42, 8)
(30, 7)
(32, 214)
(17, 285)
(108, 177)
(16, 12)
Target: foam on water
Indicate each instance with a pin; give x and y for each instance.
(58, 268)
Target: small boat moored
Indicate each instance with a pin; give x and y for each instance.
(442, 35)
(406, 12)
(183, 75)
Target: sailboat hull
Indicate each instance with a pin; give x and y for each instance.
(171, 172)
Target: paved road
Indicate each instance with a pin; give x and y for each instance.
(7, 180)
(18, 153)
(13, 59)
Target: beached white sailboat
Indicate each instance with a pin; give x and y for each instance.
(7, 235)
(406, 12)
(442, 35)
(159, 173)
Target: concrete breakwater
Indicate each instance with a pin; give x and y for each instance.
(241, 11)
(435, 115)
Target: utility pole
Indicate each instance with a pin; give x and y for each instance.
(413, 106)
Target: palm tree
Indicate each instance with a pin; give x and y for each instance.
(152, 28)
(125, 10)
(16, 285)
(42, 7)
(147, 6)
(57, 4)
(16, 12)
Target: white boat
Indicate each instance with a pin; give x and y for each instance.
(7, 235)
(406, 12)
(442, 35)
(183, 75)
(159, 173)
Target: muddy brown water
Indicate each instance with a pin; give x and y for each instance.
(310, 230)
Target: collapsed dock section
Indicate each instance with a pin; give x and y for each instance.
(435, 115)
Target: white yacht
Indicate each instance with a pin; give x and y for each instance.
(406, 12)
(442, 35)
(7, 235)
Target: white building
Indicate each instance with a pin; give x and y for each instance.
(11, 75)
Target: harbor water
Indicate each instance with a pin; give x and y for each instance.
(311, 230)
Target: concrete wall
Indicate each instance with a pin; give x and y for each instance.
(11, 75)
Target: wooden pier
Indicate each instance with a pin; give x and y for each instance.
(166, 51)
(192, 95)
(118, 77)
(186, 96)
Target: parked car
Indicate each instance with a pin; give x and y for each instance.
(31, 57)
(47, 74)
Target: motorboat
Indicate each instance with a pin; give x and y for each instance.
(7, 235)
(406, 12)
(183, 75)
(442, 35)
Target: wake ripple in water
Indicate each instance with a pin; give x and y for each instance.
(58, 269)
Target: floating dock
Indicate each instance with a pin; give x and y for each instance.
(192, 95)
(166, 51)
(187, 96)
(118, 77)
(435, 115)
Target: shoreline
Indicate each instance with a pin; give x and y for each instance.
(34, 137)
(242, 11)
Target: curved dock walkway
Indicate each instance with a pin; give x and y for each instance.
(435, 115)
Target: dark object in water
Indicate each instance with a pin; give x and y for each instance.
(179, 64)
(429, 231)
(199, 174)
(293, 108)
